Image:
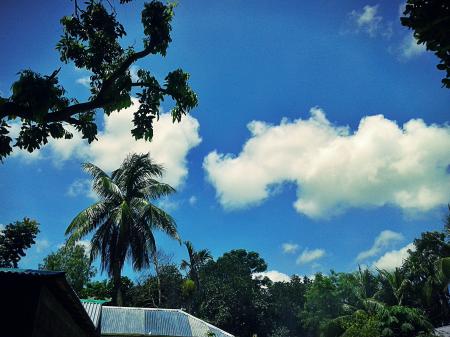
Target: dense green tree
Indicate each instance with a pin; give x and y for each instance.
(430, 21)
(91, 40)
(146, 293)
(286, 302)
(322, 304)
(385, 321)
(232, 298)
(104, 290)
(15, 239)
(74, 261)
(421, 268)
(197, 259)
(125, 217)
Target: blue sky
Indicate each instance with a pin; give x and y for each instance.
(321, 135)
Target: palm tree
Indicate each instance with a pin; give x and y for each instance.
(125, 217)
(196, 261)
(395, 285)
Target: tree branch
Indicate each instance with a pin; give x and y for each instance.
(13, 109)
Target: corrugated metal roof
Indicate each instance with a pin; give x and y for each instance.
(443, 331)
(155, 322)
(93, 309)
(32, 272)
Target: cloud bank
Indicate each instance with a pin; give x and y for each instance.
(334, 168)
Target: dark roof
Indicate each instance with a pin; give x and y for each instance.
(57, 284)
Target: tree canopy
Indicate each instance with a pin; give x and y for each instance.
(74, 261)
(430, 21)
(91, 40)
(15, 239)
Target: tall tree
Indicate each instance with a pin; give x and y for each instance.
(74, 261)
(124, 219)
(91, 40)
(15, 239)
(232, 298)
(430, 21)
(197, 259)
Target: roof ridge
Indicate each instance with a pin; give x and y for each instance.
(203, 321)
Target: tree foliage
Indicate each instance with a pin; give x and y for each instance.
(92, 41)
(74, 261)
(430, 21)
(15, 239)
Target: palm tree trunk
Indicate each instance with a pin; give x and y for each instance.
(117, 286)
(158, 279)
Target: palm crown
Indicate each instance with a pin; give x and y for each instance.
(125, 217)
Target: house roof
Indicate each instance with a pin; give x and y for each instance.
(57, 284)
(155, 322)
(93, 309)
(443, 331)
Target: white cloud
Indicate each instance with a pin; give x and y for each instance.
(41, 245)
(192, 200)
(367, 19)
(273, 275)
(384, 240)
(81, 187)
(289, 248)
(133, 72)
(169, 147)
(168, 204)
(381, 163)
(308, 256)
(410, 48)
(84, 81)
(393, 259)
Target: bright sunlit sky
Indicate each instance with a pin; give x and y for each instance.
(321, 139)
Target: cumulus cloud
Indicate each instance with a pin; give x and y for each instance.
(334, 168)
(273, 275)
(169, 147)
(394, 258)
(289, 248)
(384, 240)
(308, 256)
(410, 48)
